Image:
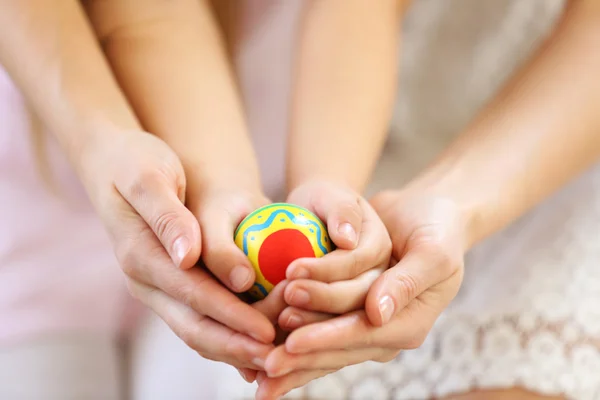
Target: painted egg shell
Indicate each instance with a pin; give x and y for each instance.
(275, 235)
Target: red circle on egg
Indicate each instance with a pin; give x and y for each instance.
(279, 249)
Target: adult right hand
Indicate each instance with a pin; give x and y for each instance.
(138, 187)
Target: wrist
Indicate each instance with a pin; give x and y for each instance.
(207, 180)
(451, 194)
(210, 176)
(93, 149)
(295, 182)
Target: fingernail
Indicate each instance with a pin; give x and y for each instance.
(386, 308)
(239, 277)
(300, 297)
(259, 362)
(348, 232)
(181, 247)
(299, 273)
(293, 321)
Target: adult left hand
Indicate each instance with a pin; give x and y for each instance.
(428, 235)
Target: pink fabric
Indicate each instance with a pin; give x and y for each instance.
(57, 269)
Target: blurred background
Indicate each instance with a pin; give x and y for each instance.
(455, 54)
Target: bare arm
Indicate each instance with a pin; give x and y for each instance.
(171, 61)
(540, 132)
(345, 87)
(50, 51)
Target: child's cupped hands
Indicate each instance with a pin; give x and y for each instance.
(400, 305)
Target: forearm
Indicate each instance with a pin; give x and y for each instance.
(50, 52)
(540, 132)
(172, 64)
(344, 90)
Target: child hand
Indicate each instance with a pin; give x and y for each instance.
(337, 282)
(220, 207)
(428, 235)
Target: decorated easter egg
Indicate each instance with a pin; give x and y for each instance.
(275, 235)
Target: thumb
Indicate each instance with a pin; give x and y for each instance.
(343, 213)
(156, 200)
(416, 272)
(220, 253)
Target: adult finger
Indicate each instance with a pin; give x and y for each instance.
(144, 259)
(418, 270)
(280, 362)
(156, 198)
(274, 388)
(209, 338)
(373, 251)
(293, 318)
(248, 374)
(407, 330)
(334, 298)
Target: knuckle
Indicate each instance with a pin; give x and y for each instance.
(429, 236)
(208, 356)
(133, 289)
(328, 303)
(364, 259)
(431, 242)
(407, 287)
(356, 264)
(446, 262)
(139, 185)
(189, 334)
(234, 347)
(128, 259)
(442, 258)
(368, 341)
(387, 357)
(232, 309)
(450, 267)
(185, 294)
(165, 224)
(413, 343)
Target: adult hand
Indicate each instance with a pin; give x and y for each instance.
(138, 187)
(428, 236)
